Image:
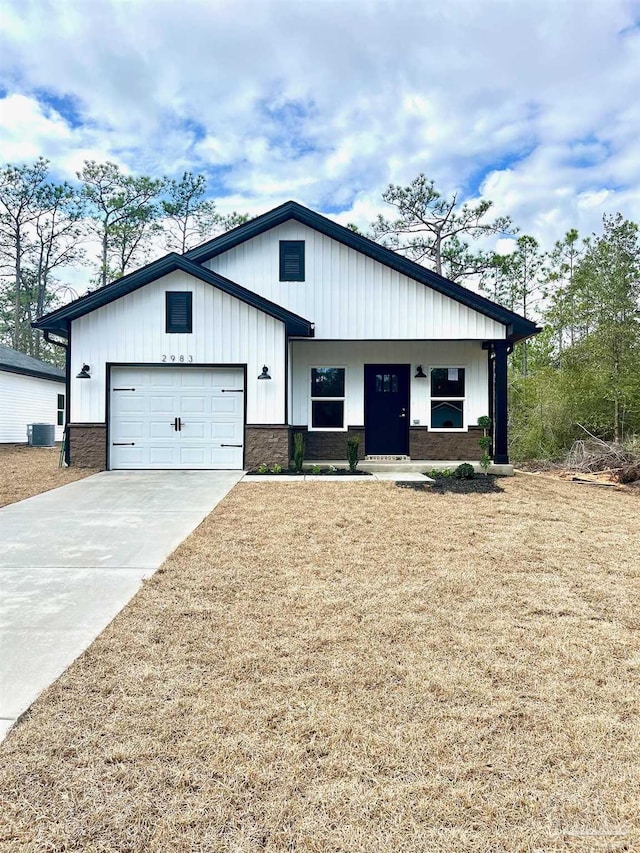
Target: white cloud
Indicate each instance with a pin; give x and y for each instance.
(531, 103)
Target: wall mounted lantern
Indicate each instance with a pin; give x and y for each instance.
(265, 372)
(420, 374)
(85, 373)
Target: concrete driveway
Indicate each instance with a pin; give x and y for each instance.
(71, 558)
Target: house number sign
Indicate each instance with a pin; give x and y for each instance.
(183, 359)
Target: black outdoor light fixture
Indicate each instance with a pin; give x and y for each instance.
(85, 373)
(420, 374)
(265, 372)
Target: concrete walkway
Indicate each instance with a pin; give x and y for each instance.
(71, 558)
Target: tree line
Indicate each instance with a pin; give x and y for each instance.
(582, 373)
(48, 228)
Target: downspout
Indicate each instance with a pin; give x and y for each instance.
(67, 369)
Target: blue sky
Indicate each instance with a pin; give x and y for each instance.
(532, 104)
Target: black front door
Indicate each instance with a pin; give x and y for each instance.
(386, 409)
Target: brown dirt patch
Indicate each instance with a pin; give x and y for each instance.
(26, 471)
(355, 667)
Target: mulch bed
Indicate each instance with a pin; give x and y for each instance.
(337, 472)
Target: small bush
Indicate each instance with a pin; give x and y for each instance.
(315, 469)
(464, 472)
(440, 473)
(298, 451)
(485, 443)
(353, 446)
(484, 421)
(277, 469)
(485, 462)
(262, 468)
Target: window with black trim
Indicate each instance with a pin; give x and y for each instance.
(291, 260)
(447, 397)
(327, 397)
(60, 409)
(179, 318)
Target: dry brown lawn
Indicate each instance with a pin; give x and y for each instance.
(27, 471)
(355, 667)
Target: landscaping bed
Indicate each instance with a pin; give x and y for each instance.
(26, 471)
(323, 667)
(321, 471)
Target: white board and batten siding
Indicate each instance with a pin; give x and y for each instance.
(353, 355)
(172, 417)
(27, 400)
(226, 331)
(349, 295)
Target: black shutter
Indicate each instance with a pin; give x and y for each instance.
(291, 260)
(179, 312)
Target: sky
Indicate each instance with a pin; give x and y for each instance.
(532, 104)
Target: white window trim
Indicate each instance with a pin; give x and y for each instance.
(465, 426)
(311, 399)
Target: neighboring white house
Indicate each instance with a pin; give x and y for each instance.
(288, 323)
(30, 392)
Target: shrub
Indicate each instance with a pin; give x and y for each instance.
(353, 446)
(315, 469)
(262, 468)
(485, 462)
(464, 472)
(298, 451)
(277, 469)
(440, 473)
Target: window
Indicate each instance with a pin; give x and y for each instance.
(327, 397)
(60, 409)
(179, 312)
(291, 260)
(447, 397)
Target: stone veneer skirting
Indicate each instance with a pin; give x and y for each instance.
(87, 445)
(266, 444)
(273, 445)
(445, 446)
(319, 446)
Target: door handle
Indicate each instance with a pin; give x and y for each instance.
(179, 424)
(175, 424)
(403, 413)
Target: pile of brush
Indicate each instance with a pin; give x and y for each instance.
(595, 456)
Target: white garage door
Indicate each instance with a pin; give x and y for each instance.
(176, 417)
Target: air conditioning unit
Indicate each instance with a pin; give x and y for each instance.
(41, 435)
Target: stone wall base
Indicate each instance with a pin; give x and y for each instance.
(451, 446)
(273, 445)
(268, 445)
(87, 445)
(319, 446)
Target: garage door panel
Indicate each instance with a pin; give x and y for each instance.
(193, 405)
(167, 405)
(161, 429)
(128, 430)
(145, 416)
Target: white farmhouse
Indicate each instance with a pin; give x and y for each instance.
(30, 392)
(288, 323)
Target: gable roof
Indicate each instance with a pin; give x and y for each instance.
(58, 321)
(12, 361)
(518, 327)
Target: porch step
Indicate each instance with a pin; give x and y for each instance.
(384, 458)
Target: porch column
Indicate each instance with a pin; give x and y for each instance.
(500, 448)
